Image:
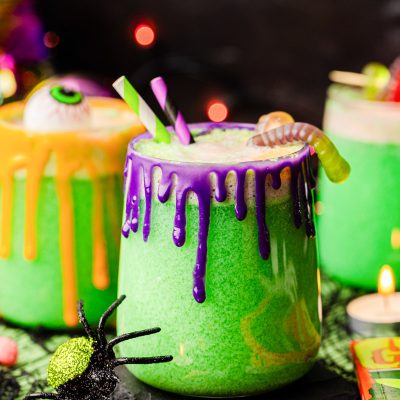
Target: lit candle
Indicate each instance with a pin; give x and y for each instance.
(377, 314)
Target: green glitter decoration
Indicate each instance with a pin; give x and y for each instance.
(69, 361)
(66, 96)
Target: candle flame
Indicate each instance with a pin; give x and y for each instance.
(395, 238)
(386, 283)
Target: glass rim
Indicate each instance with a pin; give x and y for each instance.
(359, 103)
(206, 126)
(9, 112)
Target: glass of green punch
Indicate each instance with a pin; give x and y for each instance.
(219, 251)
(62, 157)
(361, 218)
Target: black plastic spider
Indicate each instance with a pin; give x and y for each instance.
(83, 368)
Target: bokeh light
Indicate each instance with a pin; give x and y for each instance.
(8, 84)
(395, 238)
(217, 111)
(7, 61)
(29, 79)
(144, 35)
(51, 40)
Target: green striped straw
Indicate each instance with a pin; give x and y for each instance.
(142, 109)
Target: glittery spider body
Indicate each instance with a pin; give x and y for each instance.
(83, 368)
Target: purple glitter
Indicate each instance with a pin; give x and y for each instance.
(195, 177)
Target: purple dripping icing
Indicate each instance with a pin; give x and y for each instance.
(306, 193)
(240, 207)
(196, 178)
(164, 189)
(263, 234)
(147, 194)
(179, 233)
(220, 188)
(128, 204)
(294, 184)
(276, 180)
(135, 198)
(199, 273)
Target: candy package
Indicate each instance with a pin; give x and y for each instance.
(377, 363)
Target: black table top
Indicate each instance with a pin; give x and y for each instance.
(318, 384)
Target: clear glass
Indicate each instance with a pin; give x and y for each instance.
(258, 328)
(359, 221)
(42, 289)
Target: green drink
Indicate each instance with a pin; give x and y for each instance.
(246, 319)
(359, 221)
(32, 290)
(60, 197)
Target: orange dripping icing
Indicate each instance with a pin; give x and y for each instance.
(97, 155)
(116, 211)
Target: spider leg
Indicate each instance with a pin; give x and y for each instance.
(84, 322)
(131, 335)
(141, 360)
(105, 316)
(41, 396)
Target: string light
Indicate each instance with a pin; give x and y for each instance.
(29, 79)
(51, 40)
(7, 61)
(217, 111)
(395, 238)
(8, 84)
(144, 35)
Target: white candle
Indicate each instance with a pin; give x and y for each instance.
(377, 314)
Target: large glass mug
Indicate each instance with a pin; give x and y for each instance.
(359, 221)
(60, 196)
(251, 323)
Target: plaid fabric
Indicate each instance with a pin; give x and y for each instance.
(30, 374)
(37, 346)
(335, 350)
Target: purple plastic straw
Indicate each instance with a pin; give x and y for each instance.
(175, 117)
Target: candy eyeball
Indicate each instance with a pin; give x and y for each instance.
(56, 108)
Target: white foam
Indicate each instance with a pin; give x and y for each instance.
(348, 115)
(220, 146)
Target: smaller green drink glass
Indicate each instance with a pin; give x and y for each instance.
(225, 264)
(359, 222)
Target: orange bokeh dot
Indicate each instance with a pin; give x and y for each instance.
(29, 78)
(217, 111)
(144, 35)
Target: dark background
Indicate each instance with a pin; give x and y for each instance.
(257, 55)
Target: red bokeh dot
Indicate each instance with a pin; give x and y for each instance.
(51, 40)
(217, 111)
(144, 35)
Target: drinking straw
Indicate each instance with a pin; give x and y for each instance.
(175, 117)
(373, 78)
(348, 78)
(336, 167)
(141, 108)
